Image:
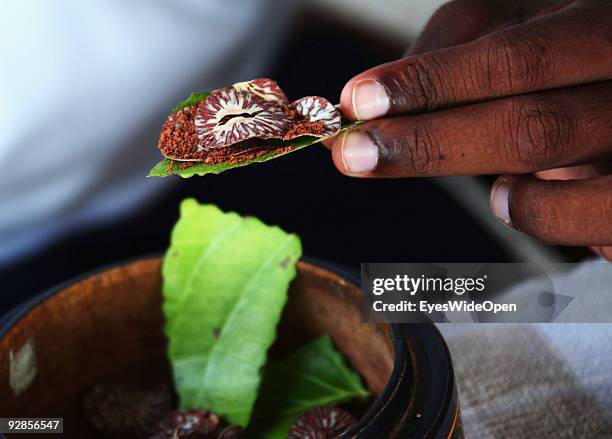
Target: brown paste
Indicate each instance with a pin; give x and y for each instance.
(179, 139)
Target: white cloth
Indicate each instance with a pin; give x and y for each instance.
(80, 82)
(537, 380)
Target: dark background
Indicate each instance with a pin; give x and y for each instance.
(338, 218)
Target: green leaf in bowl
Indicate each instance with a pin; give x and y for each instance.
(225, 284)
(314, 376)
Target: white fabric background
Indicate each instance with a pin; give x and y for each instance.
(538, 380)
(80, 81)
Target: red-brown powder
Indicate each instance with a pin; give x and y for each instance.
(304, 128)
(300, 126)
(178, 137)
(179, 140)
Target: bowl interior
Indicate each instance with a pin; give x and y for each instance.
(108, 327)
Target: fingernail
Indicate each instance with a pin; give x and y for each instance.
(359, 154)
(500, 200)
(369, 100)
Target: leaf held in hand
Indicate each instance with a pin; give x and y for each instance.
(225, 284)
(280, 147)
(246, 123)
(193, 99)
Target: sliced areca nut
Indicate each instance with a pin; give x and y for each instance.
(195, 423)
(313, 116)
(120, 411)
(265, 88)
(178, 141)
(321, 423)
(229, 116)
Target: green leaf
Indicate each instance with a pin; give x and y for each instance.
(168, 167)
(194, 98)
(313, 376)
(225, 284)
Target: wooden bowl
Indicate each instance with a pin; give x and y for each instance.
(108, 326)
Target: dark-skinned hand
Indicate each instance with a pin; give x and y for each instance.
(518, 88)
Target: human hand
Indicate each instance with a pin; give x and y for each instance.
(500, 87)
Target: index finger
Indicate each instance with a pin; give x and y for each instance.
(569, 47)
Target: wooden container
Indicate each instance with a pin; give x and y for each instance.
(108, 326)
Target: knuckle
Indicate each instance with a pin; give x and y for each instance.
(448, 8)
(516, 64)
(541, 131)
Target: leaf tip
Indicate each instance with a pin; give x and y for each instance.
(188, 205)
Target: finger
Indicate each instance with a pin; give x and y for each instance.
(454, 23)
(580, 172)
(574, 212)
(577, 172)
(516, 135)
(604, 252)
(329, 142)
(461, 21)
(551, 51)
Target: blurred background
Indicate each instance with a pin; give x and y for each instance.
(86, 86)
